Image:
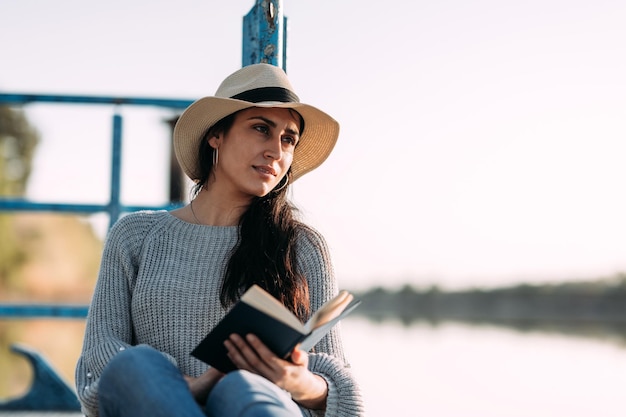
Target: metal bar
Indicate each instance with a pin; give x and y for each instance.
(8, 205)
(264, 35)
(19, 98)
(284, 51)
(116, 170)
(43, 311)
(169, 206)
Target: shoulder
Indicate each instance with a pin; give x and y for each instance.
(312, 251)
(308, 236)
(311, 246)
(139, 221)
(131, 229)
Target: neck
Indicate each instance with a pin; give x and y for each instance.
(213, 210)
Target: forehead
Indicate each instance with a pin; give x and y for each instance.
(277, 115)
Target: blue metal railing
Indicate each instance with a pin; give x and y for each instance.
(264, 40)
(114, 208)
(21, 99)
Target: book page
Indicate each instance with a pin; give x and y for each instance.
(320, 331)
(263, 301)
(329, 311)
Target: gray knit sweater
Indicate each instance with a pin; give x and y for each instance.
(159, 285)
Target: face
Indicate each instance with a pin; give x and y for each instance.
(257, 151)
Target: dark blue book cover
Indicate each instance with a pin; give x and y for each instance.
(243, 319)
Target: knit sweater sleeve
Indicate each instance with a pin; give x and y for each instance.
(109, 327)
(327, 358)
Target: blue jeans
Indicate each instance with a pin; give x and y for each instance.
(140, 381)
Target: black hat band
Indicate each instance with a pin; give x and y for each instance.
(261, 94)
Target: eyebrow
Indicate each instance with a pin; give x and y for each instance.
(273, 124)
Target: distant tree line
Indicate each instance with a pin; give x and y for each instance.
(602, 300)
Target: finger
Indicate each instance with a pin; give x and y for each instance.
(272, 367)
(266, 362)
(246, 357)
(299, 357)
(262, 350)
(235, 354)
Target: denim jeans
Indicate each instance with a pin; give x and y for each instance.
(140, 382)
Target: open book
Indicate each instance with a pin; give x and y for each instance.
(259, 313)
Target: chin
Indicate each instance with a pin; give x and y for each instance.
(261, 193)
(260, 190)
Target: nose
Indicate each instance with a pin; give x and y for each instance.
(273, 148)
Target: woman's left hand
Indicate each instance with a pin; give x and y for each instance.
(201, 386)
(306, 388)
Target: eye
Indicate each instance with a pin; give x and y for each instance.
(290, 140)
(262, 129)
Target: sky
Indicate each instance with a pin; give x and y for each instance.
(482, 141)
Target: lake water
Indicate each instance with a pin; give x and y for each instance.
(447, 370)
(481, 371)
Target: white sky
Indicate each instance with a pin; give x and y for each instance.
(483, 142)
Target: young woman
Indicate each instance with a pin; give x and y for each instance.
(167, 278)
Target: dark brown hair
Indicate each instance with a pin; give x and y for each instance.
(265, 254)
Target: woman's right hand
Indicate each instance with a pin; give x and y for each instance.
(201, 386)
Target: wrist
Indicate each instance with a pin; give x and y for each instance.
(315, 398)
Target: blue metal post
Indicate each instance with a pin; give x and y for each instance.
(116, 171)
(265, 34)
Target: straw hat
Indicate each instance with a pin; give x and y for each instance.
(257, 85)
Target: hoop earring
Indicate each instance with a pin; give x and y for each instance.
(216, 156)
(279, 189)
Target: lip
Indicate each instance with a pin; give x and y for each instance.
(265, 170)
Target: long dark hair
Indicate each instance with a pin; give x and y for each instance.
(265, 254)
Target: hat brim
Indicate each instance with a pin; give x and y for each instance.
(316, 142)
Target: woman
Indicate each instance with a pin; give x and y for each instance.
(167, 278)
